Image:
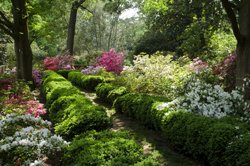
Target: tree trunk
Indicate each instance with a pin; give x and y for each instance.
(21, 41)
(71, 28)
(243, 46)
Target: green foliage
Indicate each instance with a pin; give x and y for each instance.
(238, 151)
(81, 118)
(71, 112)
(102, 91)
(87, 82)
(220, 45)
(64, 73)
(105, 148)
(155, 74)
(117, 92)
(140, 107)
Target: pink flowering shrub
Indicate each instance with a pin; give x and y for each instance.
(198, 65)
(51, 63)
(35, 108)
(58, 62)
(111, 61)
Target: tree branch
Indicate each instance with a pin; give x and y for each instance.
(232, 18)
(84, 8)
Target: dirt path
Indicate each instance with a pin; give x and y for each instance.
(153, 144)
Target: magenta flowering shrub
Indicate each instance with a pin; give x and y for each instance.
(58, 62)
(111, 61)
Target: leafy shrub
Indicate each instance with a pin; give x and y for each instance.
(155, 74)
(91, 70)
(37, 76)
(226, 70)
(105, 148)
(81, 118)
(137, 106)
(102, 91)
(64, 73)
(238, 151)
(26, 140)
(117, 92)
(90, 82)
(87, 82)
(72, 115)
(219, 137)
(56, 110)
(111, 61)
(209, 100)
(58, 62)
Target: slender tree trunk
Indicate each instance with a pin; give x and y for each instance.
(21, 41)
(72, 26)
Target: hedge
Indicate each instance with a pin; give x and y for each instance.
(70, 111)
(209, 139)
(108, 92)
(86, 82)
(106, 148)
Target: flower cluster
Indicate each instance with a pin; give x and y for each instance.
(92, 70)
(212, 100)
(58, 62)
(198, 65)
(27, 144)
(35, 108)
(111, 61)
(37, 76)
(226, 70)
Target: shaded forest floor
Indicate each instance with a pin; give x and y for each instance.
(153, 143)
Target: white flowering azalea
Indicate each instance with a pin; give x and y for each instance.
(36, 141)
(208, 100)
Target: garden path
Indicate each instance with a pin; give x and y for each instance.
(152, 142)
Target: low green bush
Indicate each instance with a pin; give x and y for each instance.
(71, 112)
(117, 92)
(81, 118)
(105, 148)
(137, 106)
(238, 151)
(203, 138)
(64, 73)
(102, 91)
(57, 108)
(87, 82)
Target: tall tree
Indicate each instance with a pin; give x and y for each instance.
(241, 30)
(72, 25)
(18, 30)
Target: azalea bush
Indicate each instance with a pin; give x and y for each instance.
(111, 61)
(37, 76)
(58, 62)
(226, 70)
(19, 99)
(155, 74)
(26, 140)
(92, 70)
